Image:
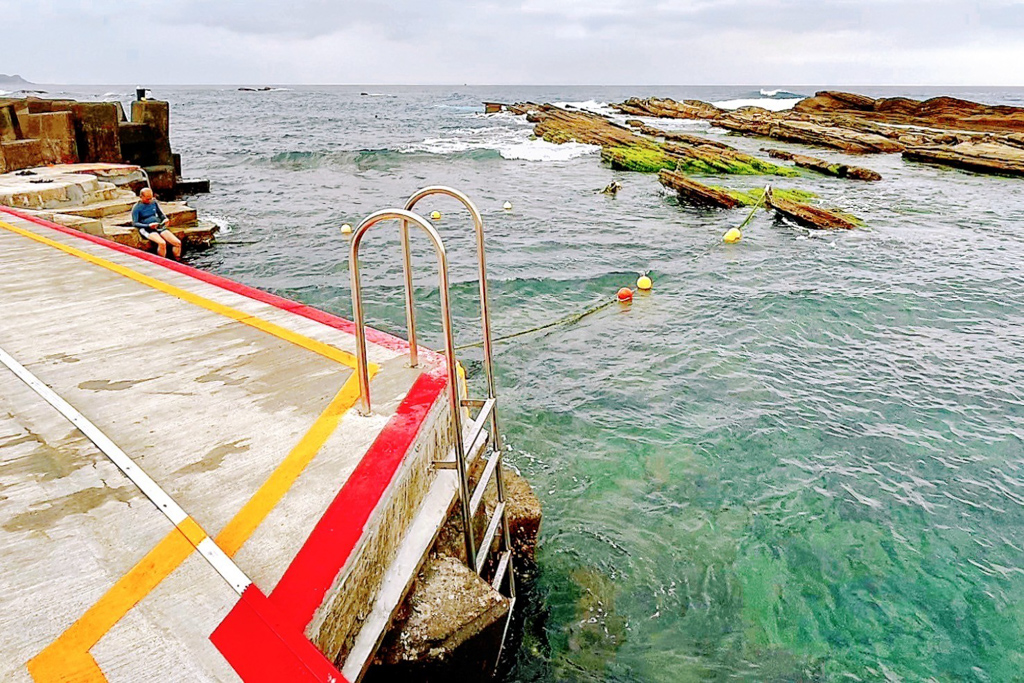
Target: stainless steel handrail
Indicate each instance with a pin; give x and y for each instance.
(485, 322)
(485, 317)
(455, 406)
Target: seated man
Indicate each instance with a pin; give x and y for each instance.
(152, 224)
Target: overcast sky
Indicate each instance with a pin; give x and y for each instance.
(588, 42)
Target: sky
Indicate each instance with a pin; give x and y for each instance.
(515, 42)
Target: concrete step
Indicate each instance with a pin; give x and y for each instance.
(104, 192)
(110, 207)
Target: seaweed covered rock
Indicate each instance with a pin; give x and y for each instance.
(698, 193)
(807, 215)
(825, 167)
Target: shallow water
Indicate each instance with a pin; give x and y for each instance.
(798, 458)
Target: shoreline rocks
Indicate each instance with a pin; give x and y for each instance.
(941, 130)
(824, 167)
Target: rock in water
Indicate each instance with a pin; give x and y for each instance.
(807, 215)
(697, 193)
(824, 167)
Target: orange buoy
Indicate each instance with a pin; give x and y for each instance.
(625, 294)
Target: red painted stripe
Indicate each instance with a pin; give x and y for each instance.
(375, 336)
(261, 648)
(306, 581)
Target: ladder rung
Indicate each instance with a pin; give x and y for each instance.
(481, 421)
(481, 485)
(445, 464)
(473, 402)
(499, 573)
(492, 529)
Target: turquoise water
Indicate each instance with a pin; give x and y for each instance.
(798, 458)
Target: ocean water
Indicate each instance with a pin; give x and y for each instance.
(799, 458)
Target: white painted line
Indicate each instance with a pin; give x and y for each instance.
(221, 563)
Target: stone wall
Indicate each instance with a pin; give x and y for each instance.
(37, 132)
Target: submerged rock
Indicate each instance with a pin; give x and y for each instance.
(825, 167)
(809, 216)
(698, 193)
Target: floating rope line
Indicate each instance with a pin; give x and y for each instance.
(567, 320)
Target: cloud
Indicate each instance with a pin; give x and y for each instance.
(530, 41)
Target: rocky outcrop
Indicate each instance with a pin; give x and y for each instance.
(628, 150)
(692, 192)
(825, 167)
(941, 130)
(667, 108)
(938, 112)
(999, 156)
(809, 216)
(779, 126)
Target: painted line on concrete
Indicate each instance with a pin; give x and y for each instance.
(382, 339)
(68, 658)
(221, 563)
(243, 638)
(335, 354)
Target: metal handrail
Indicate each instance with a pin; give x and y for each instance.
(485, 317)
(406, 217)
(485, 322)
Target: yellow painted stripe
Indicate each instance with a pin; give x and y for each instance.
(68, 658)
(343, 357)
(192, 531)
(244, 523)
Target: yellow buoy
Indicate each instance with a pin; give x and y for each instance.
(644, 283)
(346, 229)
(436, 215)
(507, 206)
(732, 236)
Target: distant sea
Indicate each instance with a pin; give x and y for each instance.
(799, 458)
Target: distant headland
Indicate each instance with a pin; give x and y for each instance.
(13, 79)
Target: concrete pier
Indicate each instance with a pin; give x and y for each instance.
(239, 405)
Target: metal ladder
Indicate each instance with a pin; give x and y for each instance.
(470, 501)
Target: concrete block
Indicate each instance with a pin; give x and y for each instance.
(9, 129)
(56, 132)
(162, 179)
(18, 154)
(451, 628)
(96, 129)
(155, 114)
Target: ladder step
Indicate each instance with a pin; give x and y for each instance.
(499, 574)
(481, 420)
(481, 485)
(492, 529)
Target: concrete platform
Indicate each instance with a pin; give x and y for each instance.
(240, 406)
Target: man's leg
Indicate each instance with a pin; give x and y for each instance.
(161, 246)
(173, 240)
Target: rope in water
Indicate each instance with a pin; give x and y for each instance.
(566, 320)
(750, 216)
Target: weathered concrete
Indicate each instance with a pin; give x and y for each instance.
(98, 199)
(240, 408)
(42, 131)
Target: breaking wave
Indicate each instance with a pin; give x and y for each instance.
(780, 94)
(510, 143)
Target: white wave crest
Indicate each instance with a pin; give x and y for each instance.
(510, 143)
(770, 93)
(765, 103)
(589, 105)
